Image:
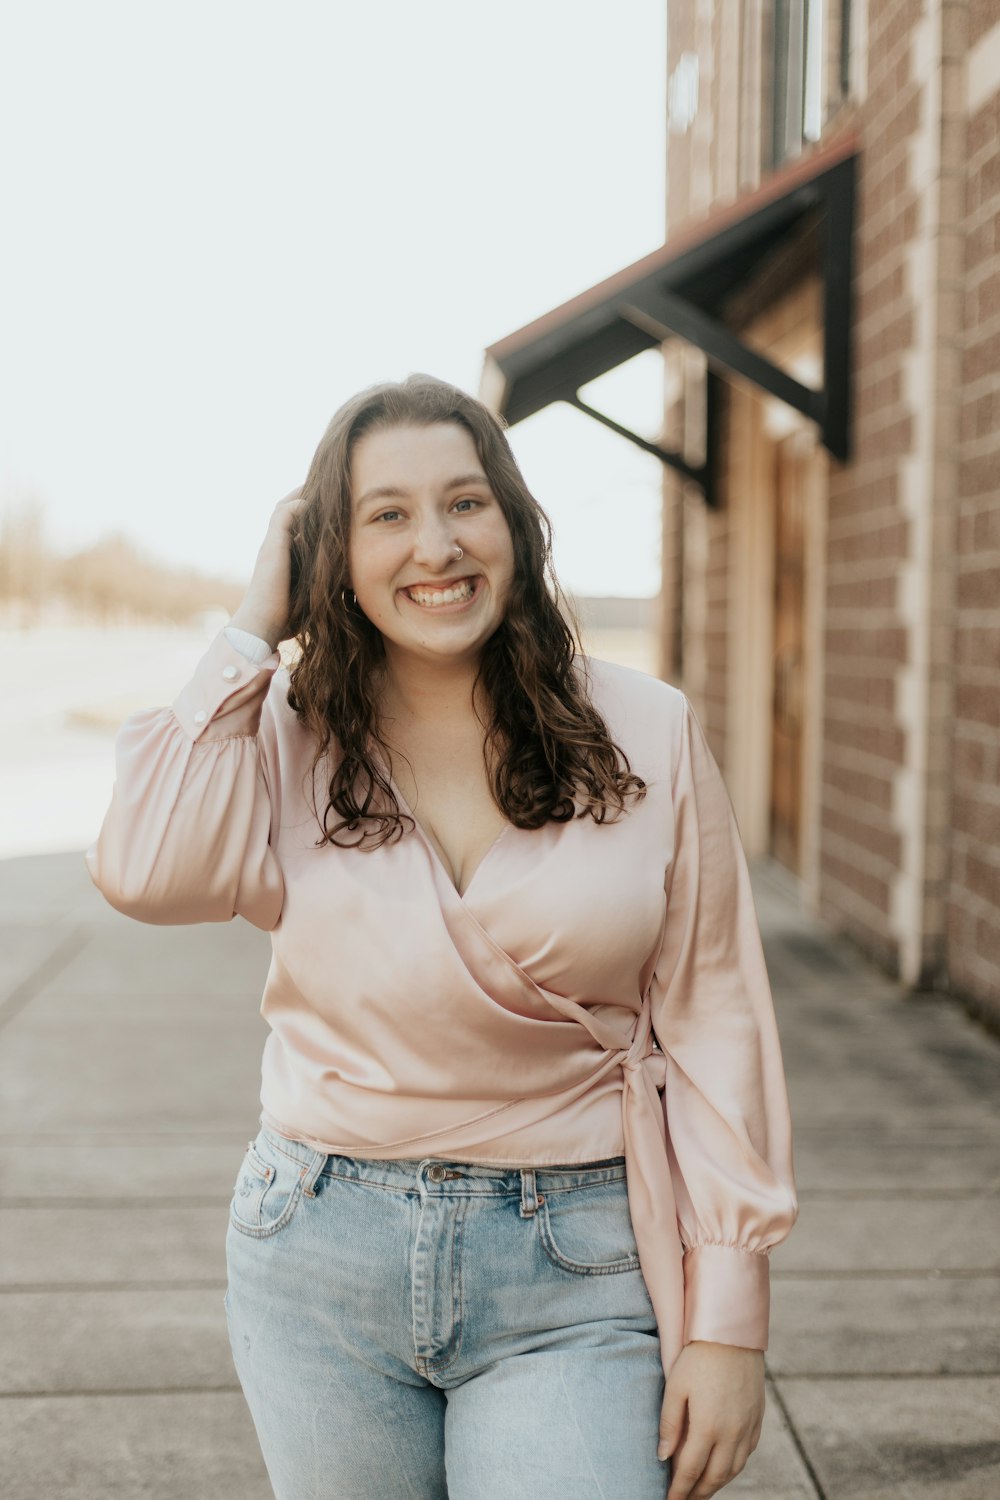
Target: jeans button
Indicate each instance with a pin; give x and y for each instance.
(436, 1173)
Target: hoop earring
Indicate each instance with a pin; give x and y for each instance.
(344, 600)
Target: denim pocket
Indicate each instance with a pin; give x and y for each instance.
(588, 1230)
(268, 1190)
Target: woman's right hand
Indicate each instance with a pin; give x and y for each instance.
(266, 605)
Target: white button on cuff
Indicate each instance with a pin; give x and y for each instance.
(200, 716)
(230, 673)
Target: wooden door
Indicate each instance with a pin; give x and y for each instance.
(790, 491)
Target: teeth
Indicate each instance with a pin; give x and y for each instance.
(428, 598)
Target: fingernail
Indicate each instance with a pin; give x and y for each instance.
(662, 1452)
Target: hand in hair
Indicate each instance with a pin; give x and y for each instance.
(265, 607)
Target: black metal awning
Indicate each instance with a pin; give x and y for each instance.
(677, 292)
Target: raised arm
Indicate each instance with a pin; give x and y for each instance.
(726, 1104)
(187, 837)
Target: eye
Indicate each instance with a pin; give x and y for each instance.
(469, 500)
(385, 513)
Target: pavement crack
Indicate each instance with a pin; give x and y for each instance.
(796, 1441)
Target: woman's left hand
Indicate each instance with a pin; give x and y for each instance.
(721, 1386)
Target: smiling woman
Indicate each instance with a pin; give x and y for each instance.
(440, 549)
(524, 1137)
(457, 662)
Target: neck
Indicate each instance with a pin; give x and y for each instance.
(425, 692)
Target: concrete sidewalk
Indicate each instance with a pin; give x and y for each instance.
(115, 1373)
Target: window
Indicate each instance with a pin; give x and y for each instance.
(796, 76)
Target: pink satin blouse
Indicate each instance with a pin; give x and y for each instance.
(598, 990)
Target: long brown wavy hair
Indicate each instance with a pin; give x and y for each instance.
(545, 742)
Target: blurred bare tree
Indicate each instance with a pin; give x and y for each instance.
(111, 582)
(26, 571)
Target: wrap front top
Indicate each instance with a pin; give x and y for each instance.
(599, 989)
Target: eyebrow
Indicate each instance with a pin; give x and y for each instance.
(394, 492)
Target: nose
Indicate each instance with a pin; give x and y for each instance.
(435, 544)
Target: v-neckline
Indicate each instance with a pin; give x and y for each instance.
(429, 843)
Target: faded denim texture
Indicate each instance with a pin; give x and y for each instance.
(430, 1329)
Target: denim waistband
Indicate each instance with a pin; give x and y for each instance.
(443, 1173)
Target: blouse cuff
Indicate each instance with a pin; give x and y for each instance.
(727, 1296)
(223, 674)
(253, 647)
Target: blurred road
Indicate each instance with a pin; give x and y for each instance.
(66, 691)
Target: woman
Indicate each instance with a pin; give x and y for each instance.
(525, 1140)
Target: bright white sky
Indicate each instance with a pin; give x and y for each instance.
(223, 218)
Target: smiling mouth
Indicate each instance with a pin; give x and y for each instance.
(456, 591)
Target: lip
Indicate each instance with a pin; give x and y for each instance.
(456, 605)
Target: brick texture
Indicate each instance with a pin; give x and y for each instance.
(973, 897)
(911, 632)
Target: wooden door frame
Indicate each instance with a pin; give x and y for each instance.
(759, 423)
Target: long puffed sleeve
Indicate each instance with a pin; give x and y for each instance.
(726, 1104)
(187, 835)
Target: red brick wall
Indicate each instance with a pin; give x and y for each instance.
(868, 535)
(982, 16)
(872, 776)
(974, 891)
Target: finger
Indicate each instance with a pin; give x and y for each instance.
(741, 1457)
(671, 1422)
(290, 502)
(720, 1468)
(688, 1467)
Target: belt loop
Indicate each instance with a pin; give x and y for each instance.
(310, 1173)
(530, 1197)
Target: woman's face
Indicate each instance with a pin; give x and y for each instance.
(417, 494)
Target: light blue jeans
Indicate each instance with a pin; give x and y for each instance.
(433, 1330)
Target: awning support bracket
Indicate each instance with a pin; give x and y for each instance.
(700, 473)
(664, 313)
(678, 292)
